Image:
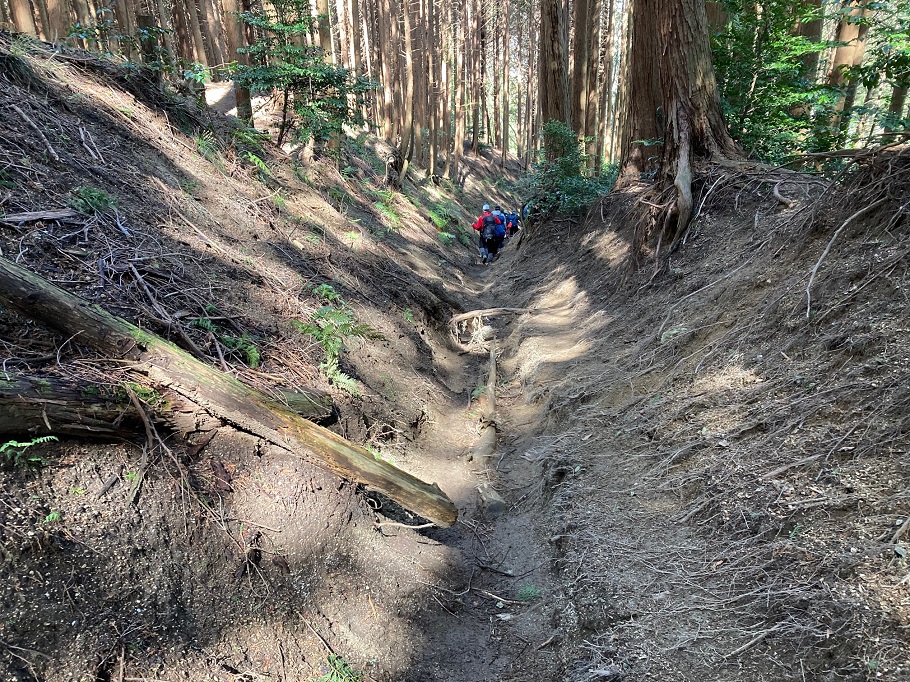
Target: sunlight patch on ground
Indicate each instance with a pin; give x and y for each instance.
(730, 377)
(609, 246)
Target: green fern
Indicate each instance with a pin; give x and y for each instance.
(260, 164)
(14, 451)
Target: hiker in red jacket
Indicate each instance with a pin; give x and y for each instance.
(489, 239)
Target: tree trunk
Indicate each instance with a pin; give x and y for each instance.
(434, 55)
(581, 63)
(643, 130)
(59, 19)
(693, 129)
(847, 56)
(896, 107)
(196, 33)
(505, 84)
(553, 75)
(460, 53)
(22, 17)
(166, 367)
(235, 43)
(210, 24)
(811, 30)
(407, 117)
(474, 74)
(695, 122)
(123, 12)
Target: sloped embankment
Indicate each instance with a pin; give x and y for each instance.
(728, 457)
(222, 556)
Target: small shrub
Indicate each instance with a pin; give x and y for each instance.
(340, 671)
(528, 592)
(91, 200)
(447, 238)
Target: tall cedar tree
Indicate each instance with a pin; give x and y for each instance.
(693, 129)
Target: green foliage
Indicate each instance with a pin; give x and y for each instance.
(557, 182)
(15, 453)
(340, 671)
(443, 215)
(447, 238)
(259, 164)
(528, 592)
(91, 200)
(103, 32)
(318, 98)
(243, 345)
(207, 145)
(772, 103)
(408, 315)
(331, 327)
(388, 212)
(327, 293)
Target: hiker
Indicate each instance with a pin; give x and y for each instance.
(489, 240)
(512, 226)
(497, 211)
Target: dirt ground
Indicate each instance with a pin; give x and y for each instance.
(697, 480)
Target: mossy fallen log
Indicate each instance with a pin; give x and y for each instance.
(167, 367)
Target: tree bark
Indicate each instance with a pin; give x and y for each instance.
(235, 43)
(22, 17)
(693, 127)
(168, 368)
(553, 74)
(643, 130)
(459, 105)
(505, 84)
(846, 56)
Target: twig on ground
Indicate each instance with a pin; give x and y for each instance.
(821, 258)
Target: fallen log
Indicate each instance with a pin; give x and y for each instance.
(165, 366)
(41, 406)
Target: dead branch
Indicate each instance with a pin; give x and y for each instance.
(834, 237)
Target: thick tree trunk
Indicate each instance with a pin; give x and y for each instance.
(460, 52)
(474, 72)
(36, 406)
(22, 17)
(59, 18)
(505, 84)
(167, 368)
(693, 128)
(811, 30)
(581, 63)
(897, 106)
(407, 115)
(196, 33)
(643, 128)
(235, 43)
(695, 122)
(553, 75)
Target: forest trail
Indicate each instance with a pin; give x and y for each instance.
(699, 479)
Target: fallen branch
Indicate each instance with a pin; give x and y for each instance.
(789, 203)
(489, 312)
(31, 123)
(166, 367)
(32, 216)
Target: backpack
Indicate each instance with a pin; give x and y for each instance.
(512, 220)
(489, 228)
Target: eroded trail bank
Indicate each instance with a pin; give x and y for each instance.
(724, 480)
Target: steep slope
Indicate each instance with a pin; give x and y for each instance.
(727, 461)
